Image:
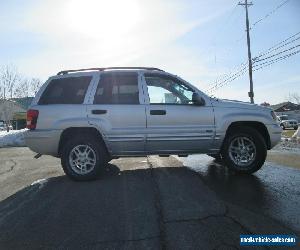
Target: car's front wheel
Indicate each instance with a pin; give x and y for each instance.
(244, 150)
(83, 157)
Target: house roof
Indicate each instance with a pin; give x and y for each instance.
(23, 102)
(285, 106)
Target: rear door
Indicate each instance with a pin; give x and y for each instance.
(118, 111)
(174, 123)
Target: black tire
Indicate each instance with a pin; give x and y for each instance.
(98, 148)
(258, 142)
(282, 126)
(296, 127)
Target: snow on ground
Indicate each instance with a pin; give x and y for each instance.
(13, 138)
(287, 145)
(296, 135)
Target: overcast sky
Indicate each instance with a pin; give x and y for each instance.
(197, 40)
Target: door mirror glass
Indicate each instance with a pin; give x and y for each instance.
(198, 100)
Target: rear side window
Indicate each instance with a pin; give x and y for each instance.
(117, 88)
(70, 90)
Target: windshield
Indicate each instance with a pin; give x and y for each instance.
(283, 118)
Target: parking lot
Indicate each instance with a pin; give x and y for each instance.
(142, 203)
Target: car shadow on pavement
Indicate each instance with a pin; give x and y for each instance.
(147, 208)
(240, 189)
(116, 211)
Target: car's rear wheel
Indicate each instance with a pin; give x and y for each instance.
(244, 150)
(282, 126)
(296, 127)
(83, 157)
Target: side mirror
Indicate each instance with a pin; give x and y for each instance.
(198, 100)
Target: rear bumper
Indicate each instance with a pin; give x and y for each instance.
(275, 134)
(43, 141)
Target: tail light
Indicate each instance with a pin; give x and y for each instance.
(32, 116)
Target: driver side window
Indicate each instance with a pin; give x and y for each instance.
(167, 90)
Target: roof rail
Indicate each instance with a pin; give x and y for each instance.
(102, 69)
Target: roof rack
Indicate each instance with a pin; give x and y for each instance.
(102, 69)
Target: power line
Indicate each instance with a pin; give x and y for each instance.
(239, 74)
(276, 59)
(256, 68)
(241, 69)
(265, 64)
(279, 47)
(275, 47)
(230, 78)
(234, 74)
(269, 13)
(230, 73)
(298, 45)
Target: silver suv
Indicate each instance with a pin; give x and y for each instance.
(89, 116)
(285, 122)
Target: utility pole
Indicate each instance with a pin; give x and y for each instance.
(250, 93)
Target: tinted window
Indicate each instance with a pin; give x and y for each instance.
(168, 90)
(69, 90)
(283, 118)
(117, 88)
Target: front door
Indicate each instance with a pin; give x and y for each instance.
(119, 113)
(174, 123)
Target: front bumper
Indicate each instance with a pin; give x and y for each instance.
(275, 134)
(43, 141)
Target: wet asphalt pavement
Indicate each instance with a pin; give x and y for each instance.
(273, 191)
(142, 203)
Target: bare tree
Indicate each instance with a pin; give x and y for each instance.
(22, 88)
(35, 85)
(27, 87)
(9, 78)
(266, 104)
(294, 97)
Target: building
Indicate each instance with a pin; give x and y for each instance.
(285, 106)
(14, 111)
(290, 109)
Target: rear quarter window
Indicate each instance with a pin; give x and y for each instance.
(70, 90)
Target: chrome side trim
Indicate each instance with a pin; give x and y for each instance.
(179, 138)
(125, 138)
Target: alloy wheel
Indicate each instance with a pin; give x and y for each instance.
(82, 159)
(242, 151)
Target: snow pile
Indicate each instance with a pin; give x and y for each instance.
(291, 142)
(288, 144)
(296, 135)
(13, 138)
